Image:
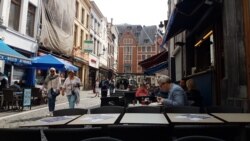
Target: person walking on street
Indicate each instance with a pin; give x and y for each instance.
(104, 85)
(52, 84)
(97, 89)
(71, 88)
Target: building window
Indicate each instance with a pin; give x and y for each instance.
(14, 14)
(143, 57)
(30, 20)
(75, 35)
(148, 49)
(146, 41)
(81, 38)
(127, 69)
(143, 49)
(153, 48)
(87, 23)
(77, 7)
(83, 15)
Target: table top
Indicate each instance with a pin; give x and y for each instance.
(51, 121)
(144, 118)
(234, 117)
(95, 119)
(139, 104)
(192, 118)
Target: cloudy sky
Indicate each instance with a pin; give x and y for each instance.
(142, 12)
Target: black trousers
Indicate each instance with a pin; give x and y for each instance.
(104, 93)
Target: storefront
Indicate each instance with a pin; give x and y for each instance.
(13, 64)
(93, 70)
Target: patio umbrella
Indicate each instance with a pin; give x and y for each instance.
(48, 61)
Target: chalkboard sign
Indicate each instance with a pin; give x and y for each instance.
(27, 97)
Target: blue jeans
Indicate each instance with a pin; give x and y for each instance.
(72, 101)
(51, 103)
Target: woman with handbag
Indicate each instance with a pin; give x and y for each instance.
(71, 88)
(52, 84)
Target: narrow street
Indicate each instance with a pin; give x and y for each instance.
(13, 119)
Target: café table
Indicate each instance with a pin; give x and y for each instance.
(144, 118)
(150, 104)
(188, 118)
(233, 117)
(51, 121)
(95, 119)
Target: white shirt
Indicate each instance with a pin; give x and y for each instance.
(70, 85)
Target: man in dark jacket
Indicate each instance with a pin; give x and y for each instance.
(104, 85)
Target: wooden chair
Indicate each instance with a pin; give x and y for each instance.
(37, 97)
(110, 101)
(101, 139)
(107, 109)
(144, 109)
(10, 99)
(224, 109)
(198, 138)
(129, 97)
(20, 134)
(182, 109)
(72, 134)
(68, 112)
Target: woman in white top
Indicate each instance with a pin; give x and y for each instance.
(97, 89)
(52, 83)
(71, 87)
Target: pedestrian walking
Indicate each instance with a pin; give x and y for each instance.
(52, 84)
(71, 88)
(97, 89)
(104, 85)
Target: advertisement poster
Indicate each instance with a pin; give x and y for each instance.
(26, 97)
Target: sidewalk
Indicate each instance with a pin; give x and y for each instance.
(13, 119)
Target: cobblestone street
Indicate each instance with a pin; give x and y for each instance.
(13, 119)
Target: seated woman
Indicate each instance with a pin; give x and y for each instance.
(193, 94)
(142, 91)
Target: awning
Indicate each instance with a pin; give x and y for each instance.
(185, 16)
(47, 61)
(156, 59)
(156, 68)
(10, 55)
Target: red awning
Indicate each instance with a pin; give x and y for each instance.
(154, 60)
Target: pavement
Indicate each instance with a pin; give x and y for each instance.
(14, 119)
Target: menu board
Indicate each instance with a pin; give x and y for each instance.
(26, 97)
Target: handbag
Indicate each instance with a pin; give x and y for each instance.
(73, 92)
(53, 93)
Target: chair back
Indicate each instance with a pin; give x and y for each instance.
(72, 134)
(129, 97)
(224, 109)
(36, 92)
(107, 109)
(182, 109)
(198, 138)
(20, 134)
(68, 112)
(8, 95)
(110, 101)
(144, 109)
(139, 132)
(101, 139)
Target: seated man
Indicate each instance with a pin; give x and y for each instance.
(176, 95)
(16, 87)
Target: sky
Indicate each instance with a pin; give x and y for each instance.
(142, 12)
